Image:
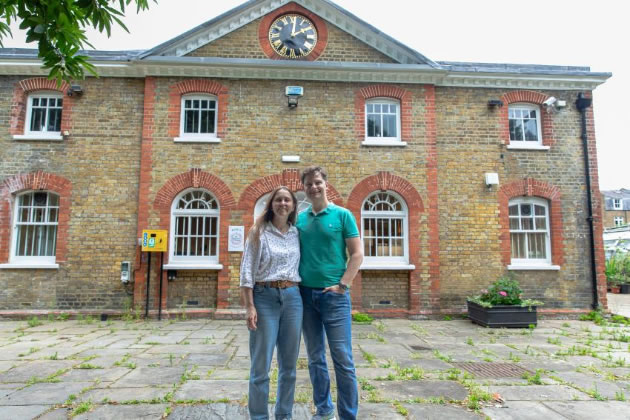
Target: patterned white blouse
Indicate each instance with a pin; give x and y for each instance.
(277, 257)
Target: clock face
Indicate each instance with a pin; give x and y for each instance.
(292, 36)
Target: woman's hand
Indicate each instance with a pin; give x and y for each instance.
(335, 289)
(252, 318)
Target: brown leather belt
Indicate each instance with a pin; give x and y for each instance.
(278, 284)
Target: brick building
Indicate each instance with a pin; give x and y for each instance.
(455, 172)
(616, 208)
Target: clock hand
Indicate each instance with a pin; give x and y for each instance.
(301, 31)
(293, 30)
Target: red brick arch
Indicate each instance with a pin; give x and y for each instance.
(20, 96)
(386, 181)
(289, 178)
(383, 91)
(532, 97)
(530, 187)
(185, 87)
(38, 181)
(267, 20)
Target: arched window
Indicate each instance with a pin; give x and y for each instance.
(194, 228)
(303, 203)
(530, 241)
(198, 120)
(384, 229)
(35, 221)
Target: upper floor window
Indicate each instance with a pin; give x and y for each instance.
(384, 229)
(194, 228)
(382, 121)
(617, 204)
(43, 115)
(525, 129)
(198, 120)
(529, 231)
(35, 228)
(618, 221)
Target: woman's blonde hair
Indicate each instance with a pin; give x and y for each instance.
(267, 214)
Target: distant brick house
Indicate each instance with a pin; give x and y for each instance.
(616, 207)
(191, 135)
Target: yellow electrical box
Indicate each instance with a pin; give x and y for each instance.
(154, 240)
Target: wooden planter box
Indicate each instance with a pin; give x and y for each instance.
(507, 316)
(625, 289)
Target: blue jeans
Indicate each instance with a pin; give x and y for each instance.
(279, 325)
(328, 315)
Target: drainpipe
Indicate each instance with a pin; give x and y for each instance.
(582, 103)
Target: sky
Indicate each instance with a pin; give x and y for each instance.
(555, 32)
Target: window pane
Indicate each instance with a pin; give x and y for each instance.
(389, 126)
(526, 210)
(531, 131)
(37, 119)
(541, 223)
(513, 210)
(527, 223)
(397, 248)
(53, 200)
(516, 130)
(54, 120)
(372, 125)
(514, 223)
(536, 242)
(190, 122)
(370, 108)
(518, 245)
(539, 210)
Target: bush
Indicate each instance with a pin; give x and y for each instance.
(504, 291)
(618, 270)
(362, 318)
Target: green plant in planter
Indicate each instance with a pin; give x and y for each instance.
(618, 270)
(504, 291)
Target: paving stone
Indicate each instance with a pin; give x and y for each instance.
(371, 373)
(243, 363)
(44, 393)
(22, 411)
(538, 393)
(149, 376)
(218, 411)
(204, 359)
(522, 410)
(426, 364)
(378, 411)
(230, 374)
(213, 390)
(550, 365)
(117, 412)
(588, 410)
(56, 414)
(38, 368)
(185, 349)
(590, 383)
(86, 375)
(404, 390)
(439, 412)
(384, 351)
(118, 395)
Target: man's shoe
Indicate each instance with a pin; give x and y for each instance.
(330, 416)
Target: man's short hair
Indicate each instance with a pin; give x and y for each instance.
(311, 171)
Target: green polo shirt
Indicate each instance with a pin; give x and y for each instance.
(323, 244)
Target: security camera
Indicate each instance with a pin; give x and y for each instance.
(550, 101)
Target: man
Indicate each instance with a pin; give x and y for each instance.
(326, 232)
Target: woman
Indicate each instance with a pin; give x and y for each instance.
(269, 279)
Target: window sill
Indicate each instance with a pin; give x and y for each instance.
(33, 266)
(192, 266)
(384, 143)
(197, 140)
(388, 267)
(49, 137)
(534, 267)
(525, 147)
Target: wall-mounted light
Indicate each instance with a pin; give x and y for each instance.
(171, 275)
(495, 103)
(74, 90)
(491, 178)
(293, 93)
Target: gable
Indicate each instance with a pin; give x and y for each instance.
(246, 43)
(243, 33)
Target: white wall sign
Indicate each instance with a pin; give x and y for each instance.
(236, 239)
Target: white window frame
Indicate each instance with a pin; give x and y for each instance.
(379, 140)
(387, 262)
(527, 144)
(198, 137)
(619, 221)
(43, 134)
(43, 261)
(617, 204)
(181, 262)
(532, 263)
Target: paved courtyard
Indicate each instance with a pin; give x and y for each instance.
(198, 369)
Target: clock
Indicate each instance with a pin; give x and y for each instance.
(292, 36)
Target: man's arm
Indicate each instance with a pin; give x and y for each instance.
(355, 249)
